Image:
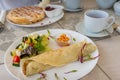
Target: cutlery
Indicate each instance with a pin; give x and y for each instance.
(2, 20)
(110, 34)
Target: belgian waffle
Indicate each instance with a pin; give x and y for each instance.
(26, 15)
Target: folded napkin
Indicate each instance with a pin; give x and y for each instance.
(2, 16)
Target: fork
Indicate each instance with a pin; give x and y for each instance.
(2, 19)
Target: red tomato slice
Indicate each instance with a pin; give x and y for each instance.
(16, 59)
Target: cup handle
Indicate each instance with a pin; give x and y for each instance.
(110, 21)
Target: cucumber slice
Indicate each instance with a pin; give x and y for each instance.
(16, 64)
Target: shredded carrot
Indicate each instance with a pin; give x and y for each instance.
(63, 38)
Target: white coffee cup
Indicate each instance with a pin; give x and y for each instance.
(72, 4)
(97, 20)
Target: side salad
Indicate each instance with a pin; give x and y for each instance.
(31, 45)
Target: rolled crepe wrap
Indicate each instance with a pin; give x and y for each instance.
(55, 58)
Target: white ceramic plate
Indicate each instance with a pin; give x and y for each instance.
(44, 22)
(81, 29)
(82, 68)
(74, 10)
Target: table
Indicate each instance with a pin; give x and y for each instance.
(108, 66)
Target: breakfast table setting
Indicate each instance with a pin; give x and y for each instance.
(33, 49)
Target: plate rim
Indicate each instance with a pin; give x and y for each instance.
(43, 31)
(74, 10)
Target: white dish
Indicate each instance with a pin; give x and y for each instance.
(44, 22)
(83, 68)
(58, 10)
(73, 10)
(117, 8)
(81, 29)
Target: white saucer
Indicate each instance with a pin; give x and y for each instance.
(81, 29)
(73, 10)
